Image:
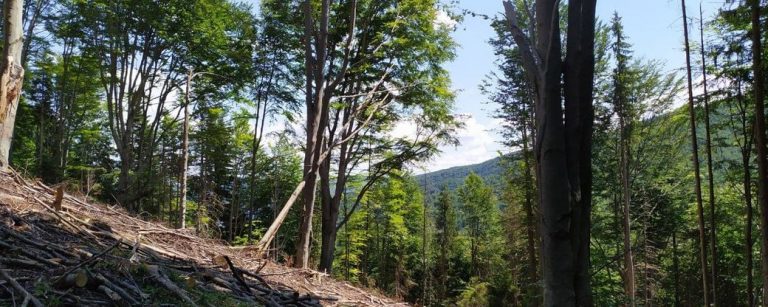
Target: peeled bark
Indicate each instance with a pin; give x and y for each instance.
(11, 75)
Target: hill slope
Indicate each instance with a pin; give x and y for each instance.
(491, 171)
(95, 255)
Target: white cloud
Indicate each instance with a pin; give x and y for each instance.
(443, 20)
(477, 144)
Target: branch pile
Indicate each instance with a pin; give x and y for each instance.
(57, 249)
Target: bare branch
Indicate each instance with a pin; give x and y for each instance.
(531, 61)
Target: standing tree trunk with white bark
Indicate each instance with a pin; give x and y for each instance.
(11, 75)
(185, 155)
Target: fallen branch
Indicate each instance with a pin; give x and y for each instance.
(154, 271)
(122, 293)
(27, 296)
(89, 260)
(237, 273)
(14, 262)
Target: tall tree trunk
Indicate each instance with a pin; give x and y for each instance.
(760, 137)
(530, 218)
(629, 263)
(185, 156)
(11, 75)
(746, 163)
(695, 159)
(578, 85)
(625, 119)
(563, 147)
(318, 99)
(710, 172)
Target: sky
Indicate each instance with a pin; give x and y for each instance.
(654, 28)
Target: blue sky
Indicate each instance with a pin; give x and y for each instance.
(654, 28)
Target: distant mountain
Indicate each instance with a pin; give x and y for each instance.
(491, 171)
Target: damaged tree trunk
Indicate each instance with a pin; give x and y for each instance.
(12, 75)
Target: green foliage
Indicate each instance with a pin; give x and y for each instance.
(475, 295)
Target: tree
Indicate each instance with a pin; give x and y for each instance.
(480, 218)
(563, 149)
(11, 75)
(351, 109)
(625, 113)
(760, 137)
(144, 50)
(710, 172)
(445, 236)
(706, 284)
(381, 89)
(514, 97)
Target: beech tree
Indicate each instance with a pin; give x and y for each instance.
(564, 138)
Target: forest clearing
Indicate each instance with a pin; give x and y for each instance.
(383, 153)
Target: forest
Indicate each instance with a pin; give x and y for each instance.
(300, 129)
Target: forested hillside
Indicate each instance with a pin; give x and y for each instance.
(290, 134)
(492, 171)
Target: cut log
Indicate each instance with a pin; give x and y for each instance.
(76, 279)
(58, 198)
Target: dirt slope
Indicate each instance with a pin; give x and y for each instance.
(89, 254)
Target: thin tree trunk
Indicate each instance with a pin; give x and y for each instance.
(760, 137)
(185, 156)
(12, 75)
(710, 172)
(530, 219)
(695, 159)
(625, 122)
(629, 263)
(749, 240)
(676, 267)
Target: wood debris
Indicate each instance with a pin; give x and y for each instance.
(56, 248)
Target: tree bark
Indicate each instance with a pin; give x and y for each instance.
(563, 143)
(12, 75)
(760, 137)
(530, 217)
(185, 155)
(316, 106)
(695, 159)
